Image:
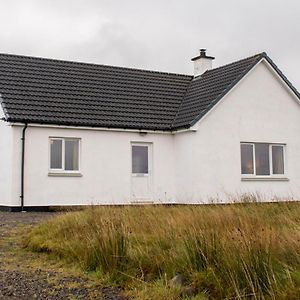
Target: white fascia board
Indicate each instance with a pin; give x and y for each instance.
(191, 129)
(98, 128)
(2, 111)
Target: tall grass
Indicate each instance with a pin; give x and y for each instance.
(245, 251)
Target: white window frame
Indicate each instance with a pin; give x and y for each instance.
(270, 161)
(62, 170)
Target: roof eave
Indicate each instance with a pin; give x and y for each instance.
(74, 124)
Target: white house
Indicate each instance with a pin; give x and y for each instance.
(79, 134)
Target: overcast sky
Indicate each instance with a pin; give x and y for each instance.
(155, 34)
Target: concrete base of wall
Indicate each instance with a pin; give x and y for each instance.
(72, 207)
(82, 207)
(27, 208)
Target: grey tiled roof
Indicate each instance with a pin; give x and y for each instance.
(39, 90)
(47, 91)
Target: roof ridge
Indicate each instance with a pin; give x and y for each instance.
(92, 64)
(258, 55)
(179, 106)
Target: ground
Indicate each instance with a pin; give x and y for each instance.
(24, 275)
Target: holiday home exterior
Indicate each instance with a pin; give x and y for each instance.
(81, 134)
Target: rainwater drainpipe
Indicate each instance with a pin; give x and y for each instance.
(22, 166)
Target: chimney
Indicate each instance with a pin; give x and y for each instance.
(202, 63)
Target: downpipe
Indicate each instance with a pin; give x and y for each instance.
(23, 139)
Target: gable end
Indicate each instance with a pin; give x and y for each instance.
(259, 58)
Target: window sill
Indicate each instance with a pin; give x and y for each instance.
(258, 178)
(64, 174)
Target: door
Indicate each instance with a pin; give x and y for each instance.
(141, 178)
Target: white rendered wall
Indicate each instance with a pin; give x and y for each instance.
(6, 160)
(105, 168)
(259, 109)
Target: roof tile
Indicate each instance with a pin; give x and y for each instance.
(39, 90)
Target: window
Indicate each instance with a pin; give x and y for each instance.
(277, 159)
(139, 159)
(262, 159)
(262, 162)
(64, 154)
(56, 154)
(247, 158)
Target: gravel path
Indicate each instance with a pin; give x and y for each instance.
(18, 281)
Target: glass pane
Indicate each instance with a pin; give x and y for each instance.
(277, 160)
(71, 155)
(262, 159)
(247, 159)
(55, 154)
(140, 159)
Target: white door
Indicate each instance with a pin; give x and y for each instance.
(141, 178)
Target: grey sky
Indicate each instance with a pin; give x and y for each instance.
(158, 35)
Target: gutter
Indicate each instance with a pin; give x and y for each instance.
(22, 166)
(170, 132)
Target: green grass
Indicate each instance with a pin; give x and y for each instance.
(237, 251)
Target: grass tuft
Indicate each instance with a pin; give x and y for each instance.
(237, 251)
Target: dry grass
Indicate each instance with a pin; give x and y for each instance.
(238, 251)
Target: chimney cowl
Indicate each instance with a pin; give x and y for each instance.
(202, 63)
(202, 55)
